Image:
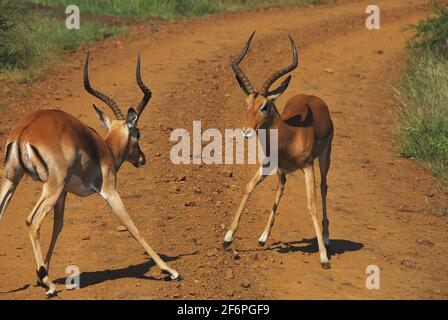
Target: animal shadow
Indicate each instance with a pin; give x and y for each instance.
(337, 246)
(138, 271)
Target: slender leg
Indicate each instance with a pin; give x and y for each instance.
(281, 186)
(258, 177)
(114, 201)
(58, 223)
(34, 222)
(311, 197)
(324, 165)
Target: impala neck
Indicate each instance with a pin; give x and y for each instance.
(276, 122)
(118, 145)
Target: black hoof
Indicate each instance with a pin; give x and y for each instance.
(325, 265)
(226, 244)
(169, 277)
(261, 243)
(51, 295)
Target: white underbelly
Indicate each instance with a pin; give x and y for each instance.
(76, 186)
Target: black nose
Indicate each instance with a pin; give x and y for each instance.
(142, 159)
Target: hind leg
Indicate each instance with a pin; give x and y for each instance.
(324, 165)
(57, 228)
(50, 196)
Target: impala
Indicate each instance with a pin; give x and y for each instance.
(305, 132)
(64, 154)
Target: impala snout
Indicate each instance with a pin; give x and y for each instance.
(248, 133)
(139, 160)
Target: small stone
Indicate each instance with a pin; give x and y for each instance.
(190, 203)
(370, 228)
(182, 178)
(122, 228)
(211, 253)
(230, 292)
(86, 237)
(235, 255)
(430, 194)
(328, 70)
(158, 154)
(405, 208)
(423, 242)
(409, 264)
(245, 283)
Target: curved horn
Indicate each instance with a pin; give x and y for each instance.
(243, 80)
(282, 72)
(107, 100)
(146, 91)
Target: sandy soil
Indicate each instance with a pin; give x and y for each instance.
(379, 202)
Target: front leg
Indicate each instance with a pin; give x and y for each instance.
(113, 199)
(267, 231)
(258, 177)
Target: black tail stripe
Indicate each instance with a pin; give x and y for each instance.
(39, 157)
(8, 151)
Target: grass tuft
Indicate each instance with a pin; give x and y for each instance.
(422, 127)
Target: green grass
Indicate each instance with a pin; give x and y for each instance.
(30, 38)
(171, 8)
(423, 115)
(422, 131)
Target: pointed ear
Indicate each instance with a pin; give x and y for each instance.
(103, 118)
(131, 118)
(274, 94)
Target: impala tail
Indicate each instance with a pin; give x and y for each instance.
(12, 173)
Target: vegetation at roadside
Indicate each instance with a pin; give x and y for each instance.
(422, 131)
(30, 38)
(33, 32)
(171, 8)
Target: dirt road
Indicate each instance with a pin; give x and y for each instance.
(378, 201)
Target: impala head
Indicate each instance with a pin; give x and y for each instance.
(260, 106)
(123, 134)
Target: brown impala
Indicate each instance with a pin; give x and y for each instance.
(305, 132)
(58, 150)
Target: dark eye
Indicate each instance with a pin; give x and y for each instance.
(265, 108)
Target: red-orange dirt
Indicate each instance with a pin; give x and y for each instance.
(379, 203)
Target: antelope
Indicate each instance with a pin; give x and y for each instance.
(305, 132)
(65, 155)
